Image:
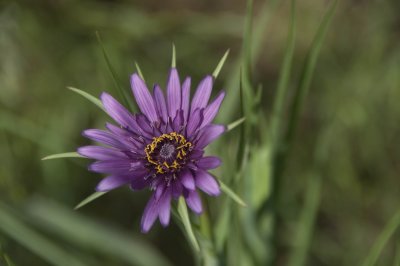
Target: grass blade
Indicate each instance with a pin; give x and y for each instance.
(396, 261)
(280, 157)
(282, 88)
(121, 91)
(183, 212)
(89, 97)
(89, 199)
(88, 233)
(8, 260)
(173, 61)
(38, 244)
(139, 71)
(220, 64)
(235, 124)
(63, 155)
(232, 194)
(307, 220)
(276, 127)
(312, 195)
(260, 25)
(307, 73)
(383, 238)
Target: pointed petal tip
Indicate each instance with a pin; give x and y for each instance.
(144, 229)
(143, 97)
(194, 202)
(136, 75)
(150, 215)
(207, 183)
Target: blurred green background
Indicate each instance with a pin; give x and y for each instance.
(352, 111)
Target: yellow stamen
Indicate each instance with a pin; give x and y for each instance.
(162, 166)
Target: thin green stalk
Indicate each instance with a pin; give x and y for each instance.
(247, 40)
(83, 232)
(307, 74)
(277, 123)
(383, 238)
(73, 154)
(260, 25)
(122, 93)
(312, 195)
(396, 261)
(281, 155)
(305, 227)
(38, 244)
(284, 77)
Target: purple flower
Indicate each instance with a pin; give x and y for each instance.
(162, 148)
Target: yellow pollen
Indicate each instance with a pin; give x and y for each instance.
(181, 145)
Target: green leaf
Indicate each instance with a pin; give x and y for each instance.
(396, 260)
(139, 71)
(11, 225)
(121, 91)
(284, 77)
(307, 73)
(89, 97)
(89, 199)
(235, 124)
(261, 24)
(88, 233)
(63, 155)
(173, 62)
(8, 260)
(183, 212)
(383, 238)
(220, 64)
(232, 194)
(305, 227)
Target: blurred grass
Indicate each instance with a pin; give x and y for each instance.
(351, 112)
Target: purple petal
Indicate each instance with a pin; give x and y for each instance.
(209, 162)
(202, 94)
(117, 130)
(173, 92)
(207, 183)
(111, 182)
(186, 97)
(208, 134)
(116, 110)
(144, 124)
(139, 183)
(187, 180)
(192, 166)
(149, 215)
(143, 98)
(211, 111)
(194, 202)
(196, 154)
(177, 190)
(104, 137)
(160, 103)
(129, 138)
(159, 191)
(116, 167)
(194, 122)
(101, 153)
(178, 121)
(165, 207)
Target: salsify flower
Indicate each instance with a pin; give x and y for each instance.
(161, 148)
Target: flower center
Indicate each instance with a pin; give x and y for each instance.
(168, 152)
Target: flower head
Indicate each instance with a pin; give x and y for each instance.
(162, 148)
